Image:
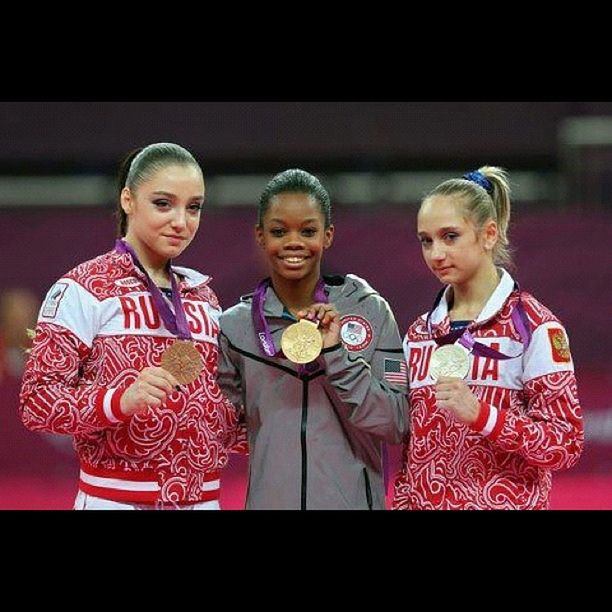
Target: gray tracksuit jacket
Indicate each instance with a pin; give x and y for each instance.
(315, 440)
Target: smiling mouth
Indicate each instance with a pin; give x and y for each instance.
(293, 259)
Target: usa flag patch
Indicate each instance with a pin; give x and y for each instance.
(396, 372)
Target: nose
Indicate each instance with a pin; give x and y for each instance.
(293, 241)
(179, 218)
(437, 251)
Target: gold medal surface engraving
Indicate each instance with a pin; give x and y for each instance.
(183, 361)
(449, 360)
(302, 342)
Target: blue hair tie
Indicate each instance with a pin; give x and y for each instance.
(480, 179)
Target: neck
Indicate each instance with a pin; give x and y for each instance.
(295, 294)
(469, 298)
(157, 267)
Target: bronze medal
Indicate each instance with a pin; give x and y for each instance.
(183, 361)
(449, 360)
(302, 341)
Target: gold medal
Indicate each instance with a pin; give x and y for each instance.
(449, 360)
(302, 341)
(183, 361)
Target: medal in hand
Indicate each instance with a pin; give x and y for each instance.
(449, 360)
(183, 361)
(302, 341)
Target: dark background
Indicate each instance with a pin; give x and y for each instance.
(265, 136)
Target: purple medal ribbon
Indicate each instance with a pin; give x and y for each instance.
(175, 322)
(466, 339)
(262, 329)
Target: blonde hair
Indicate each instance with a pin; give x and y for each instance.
(483, 197)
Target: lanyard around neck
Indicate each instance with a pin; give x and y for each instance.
(262, 329)
(465, 337)
(175, 322)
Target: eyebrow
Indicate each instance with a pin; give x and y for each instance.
(449, 228)
(172, 195)
(313, 220)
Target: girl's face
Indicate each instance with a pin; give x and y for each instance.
(452, 248)
(164, 211)
(293, 236)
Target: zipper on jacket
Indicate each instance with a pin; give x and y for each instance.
(368, 490)
(303, 443)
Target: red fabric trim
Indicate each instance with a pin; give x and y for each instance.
(141, 476)
(135, 497)
(143, 497)
(99, 404)
(483, 417)
(115, 405)
(501, 419)
(116, 411)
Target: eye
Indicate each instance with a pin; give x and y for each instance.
(195, 208)
(277, 232)
(161, 203)
(424, 241)
(450, 236)
(309, 232)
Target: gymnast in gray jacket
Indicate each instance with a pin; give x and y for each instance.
(316, 421)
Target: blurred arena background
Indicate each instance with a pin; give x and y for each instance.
(58, 162)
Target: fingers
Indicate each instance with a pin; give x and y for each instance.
(446, 380)
(150, 388)
(323, 313)
(158, 378)
(329, 321)
(447, 387)
(448, 383)
(454, 395)
(160, 373)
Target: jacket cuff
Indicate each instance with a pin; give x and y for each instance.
(107, 406)
(490, 421)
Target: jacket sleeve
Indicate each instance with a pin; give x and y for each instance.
(375, 392)
(230, 379)
(549, 434)
(54, 397)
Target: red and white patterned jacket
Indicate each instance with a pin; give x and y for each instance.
(96, 330)
(530, 420)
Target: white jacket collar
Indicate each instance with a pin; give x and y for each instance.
(494, 304)
(191, 278)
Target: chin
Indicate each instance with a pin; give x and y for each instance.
(173, 253)
(293, 274)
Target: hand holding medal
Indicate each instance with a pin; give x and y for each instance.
(150, 389)
(301, 342)
(449, 365)
(181, 359)
(318, 328)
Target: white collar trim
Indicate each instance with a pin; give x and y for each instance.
(494, 304)
(193, 278)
